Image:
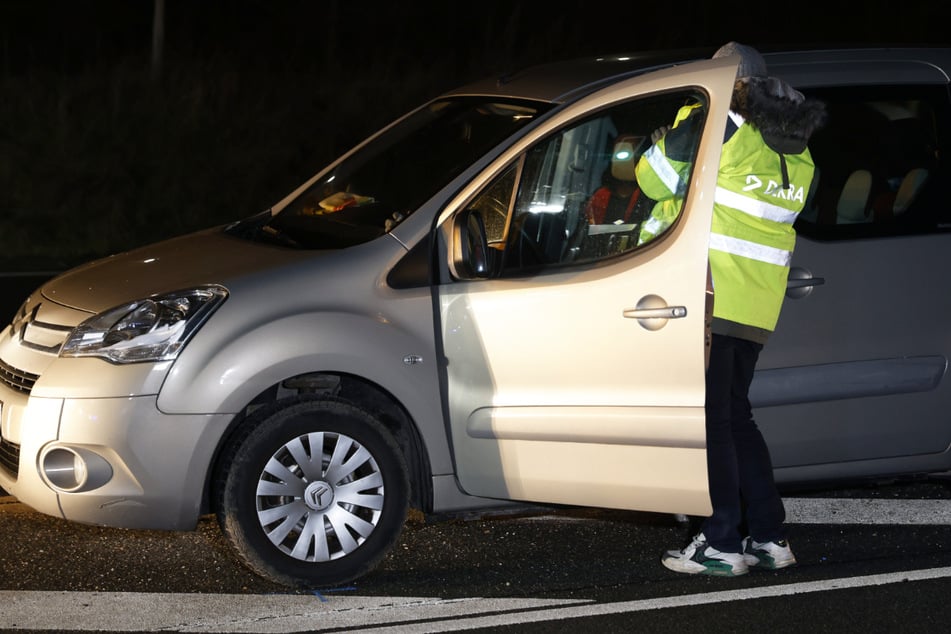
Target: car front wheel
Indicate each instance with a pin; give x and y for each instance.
(315, 494)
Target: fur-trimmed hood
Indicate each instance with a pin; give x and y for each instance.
(784, 117)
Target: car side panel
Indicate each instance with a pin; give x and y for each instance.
(856, 370)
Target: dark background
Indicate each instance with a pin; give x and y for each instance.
(111, 138)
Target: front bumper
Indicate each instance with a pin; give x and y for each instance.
(109, 461)
(83, 439)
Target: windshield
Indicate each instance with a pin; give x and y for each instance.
(386, 180)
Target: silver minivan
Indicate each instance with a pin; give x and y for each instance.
(437, 321)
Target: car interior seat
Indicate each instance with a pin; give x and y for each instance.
(853, 205)
(907, 155)
(911, 184)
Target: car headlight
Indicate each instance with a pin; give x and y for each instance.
(151, 329)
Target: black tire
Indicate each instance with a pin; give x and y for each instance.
(291, 509)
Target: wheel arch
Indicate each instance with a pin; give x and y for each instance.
(359, 392)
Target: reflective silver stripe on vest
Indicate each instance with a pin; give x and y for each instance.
(664, 170)
(655, 225)
(751, 250)
(754, 207)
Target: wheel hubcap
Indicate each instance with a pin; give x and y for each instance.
(320, 496)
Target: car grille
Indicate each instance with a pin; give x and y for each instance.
(39, 329)
(9, 457)
(33, 329)
(17, 379)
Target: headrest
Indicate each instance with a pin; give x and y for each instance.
(908, 190)
(853, 199)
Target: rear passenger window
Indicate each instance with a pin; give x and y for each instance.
(881, 160)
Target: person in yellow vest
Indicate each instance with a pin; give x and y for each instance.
(766, 177)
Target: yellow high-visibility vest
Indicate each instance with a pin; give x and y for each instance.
(752, 236)
(665, 180)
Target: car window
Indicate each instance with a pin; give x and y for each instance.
(573, 198)
(880, 163)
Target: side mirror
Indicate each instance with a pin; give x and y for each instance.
(470, 249)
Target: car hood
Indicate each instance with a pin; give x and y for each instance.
(205, 257)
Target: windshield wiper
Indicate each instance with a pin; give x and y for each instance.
(277, 236)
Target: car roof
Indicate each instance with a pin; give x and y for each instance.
(561, 81)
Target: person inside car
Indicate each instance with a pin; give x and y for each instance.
(619, 199)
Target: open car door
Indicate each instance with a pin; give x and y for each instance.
(575, 364)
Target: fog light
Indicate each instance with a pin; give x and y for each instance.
(74, 469)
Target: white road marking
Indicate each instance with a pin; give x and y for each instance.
(138, 611)
(131, 611)
(601, 609)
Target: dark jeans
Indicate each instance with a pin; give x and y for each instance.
(739, 468)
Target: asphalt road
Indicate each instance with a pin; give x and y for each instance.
(872, 559)
(875, 560)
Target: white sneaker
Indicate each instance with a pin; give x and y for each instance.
(699, 558)
(768, 555)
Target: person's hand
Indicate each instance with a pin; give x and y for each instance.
(659, 133)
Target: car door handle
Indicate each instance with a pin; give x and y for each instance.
(652, 312)
(809, 281)
(670, 312)
(801, 282)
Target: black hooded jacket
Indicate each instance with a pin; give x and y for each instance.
(784, 117)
